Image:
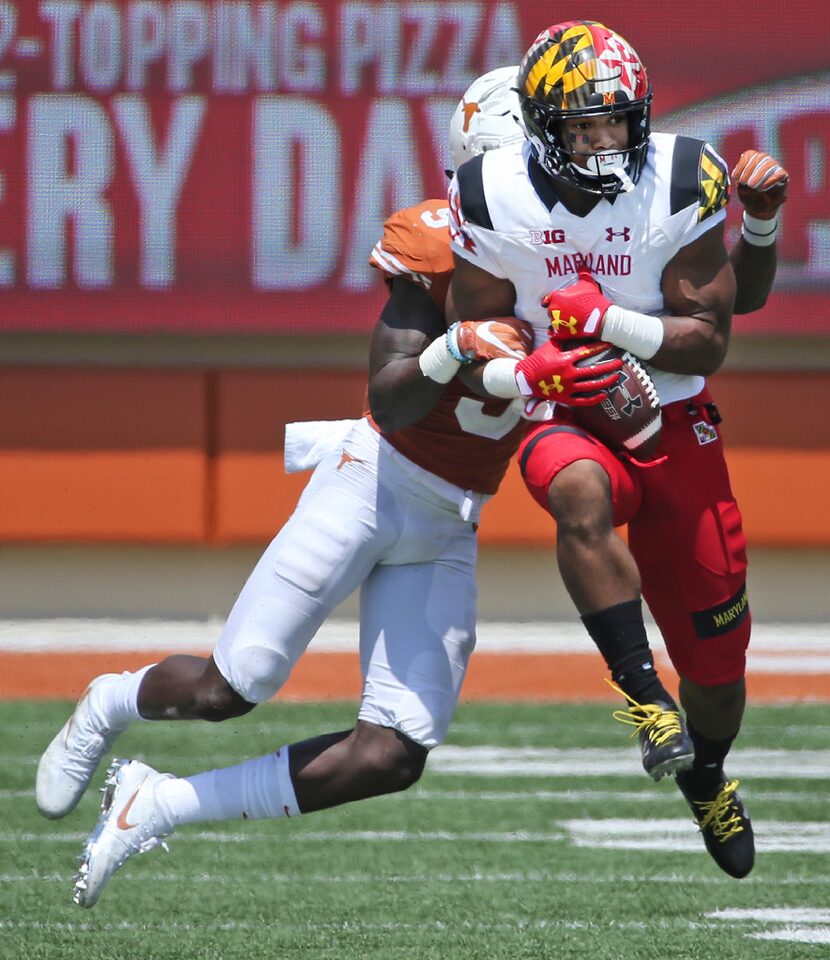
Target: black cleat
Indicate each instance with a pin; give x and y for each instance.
(664, 740)
(724, 822)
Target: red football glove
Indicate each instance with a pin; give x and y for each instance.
(551, 373)
(762, 183)
(576, 310)
(488, 339)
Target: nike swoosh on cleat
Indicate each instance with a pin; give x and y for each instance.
(121, 822)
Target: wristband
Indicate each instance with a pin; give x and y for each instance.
(640, 333)
(452, 344)
(436, 363)
(757, 232)
(499, 378)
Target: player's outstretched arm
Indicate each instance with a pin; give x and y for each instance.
(761, 184)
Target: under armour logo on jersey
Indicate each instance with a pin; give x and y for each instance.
(610, 233)
(346, 457)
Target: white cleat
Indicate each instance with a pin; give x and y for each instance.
(128, 825)
(71, 759)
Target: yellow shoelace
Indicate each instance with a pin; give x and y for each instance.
(659, 725)
(722, 813)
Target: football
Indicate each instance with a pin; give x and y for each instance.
(628, 418)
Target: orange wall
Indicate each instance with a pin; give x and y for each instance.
(196, 456)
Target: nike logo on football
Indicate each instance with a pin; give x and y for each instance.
(485, 333)
(121, 822)
(348, 458)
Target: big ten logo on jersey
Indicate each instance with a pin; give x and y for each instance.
(439, 219)
(547, 236)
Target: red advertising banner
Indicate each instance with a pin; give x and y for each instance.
(226, 166)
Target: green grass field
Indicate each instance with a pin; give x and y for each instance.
(558, 847)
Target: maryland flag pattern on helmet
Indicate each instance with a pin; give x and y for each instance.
(713, 183)
(582, 64)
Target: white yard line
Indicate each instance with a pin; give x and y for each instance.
(774, 641)
(592, 761)
(677, 835)
(662, 834)
(578, 762)
(587, 878)
(560, 796)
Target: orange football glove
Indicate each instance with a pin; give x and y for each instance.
(488, 339)
(762, 183)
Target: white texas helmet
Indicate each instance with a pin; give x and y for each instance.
(487, 116)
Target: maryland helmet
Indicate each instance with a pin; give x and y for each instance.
(583, 69)
(487, 116)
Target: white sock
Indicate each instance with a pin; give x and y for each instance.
(116, 701)
(258, 789)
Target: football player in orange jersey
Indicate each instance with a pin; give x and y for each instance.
(392, 508)
(641, 215)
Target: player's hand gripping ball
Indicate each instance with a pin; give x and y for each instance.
(576, 310)
(575, 377)
(496, 337)
(628, 417)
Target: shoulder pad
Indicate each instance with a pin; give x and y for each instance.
(471, 191)
(698, 176)
(415, 243)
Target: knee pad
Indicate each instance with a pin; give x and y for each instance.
(257, 672)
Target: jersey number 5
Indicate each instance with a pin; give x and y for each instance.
(472, 419)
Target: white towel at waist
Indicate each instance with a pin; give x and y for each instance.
(308, 441)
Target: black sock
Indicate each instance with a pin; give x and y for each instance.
(620, 635)
(707, 770)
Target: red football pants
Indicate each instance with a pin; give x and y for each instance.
(684, 531)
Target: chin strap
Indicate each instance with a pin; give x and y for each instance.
(618, 172)
(623, 177)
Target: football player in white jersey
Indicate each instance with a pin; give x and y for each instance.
(392, 508)
(598, 228)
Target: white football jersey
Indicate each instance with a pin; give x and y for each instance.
(507, 219)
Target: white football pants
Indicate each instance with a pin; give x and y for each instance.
(368, 518)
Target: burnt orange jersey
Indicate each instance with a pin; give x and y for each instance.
(465, 438)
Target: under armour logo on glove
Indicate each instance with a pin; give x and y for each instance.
(576, 310)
